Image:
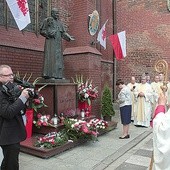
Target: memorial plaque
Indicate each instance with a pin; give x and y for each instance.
(59, 97)
(65, 97)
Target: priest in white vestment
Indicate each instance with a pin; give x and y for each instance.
(144, 99)
(156, 87)
(161, 136)
(132, 85)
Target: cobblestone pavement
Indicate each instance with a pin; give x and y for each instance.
(138, 158)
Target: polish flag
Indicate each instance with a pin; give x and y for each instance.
(118, 42)
(102, 36)
(20, 12)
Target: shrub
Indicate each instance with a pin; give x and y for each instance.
(107, 105)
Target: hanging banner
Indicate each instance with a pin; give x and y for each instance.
(20, 12)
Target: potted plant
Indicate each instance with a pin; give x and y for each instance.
(107, 105)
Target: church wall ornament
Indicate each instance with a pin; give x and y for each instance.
(93, 22)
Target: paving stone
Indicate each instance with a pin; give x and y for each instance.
(150, 143)
(128, 166)
(139, 160)
(143, 152)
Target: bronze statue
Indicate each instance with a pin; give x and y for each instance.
(53, 30)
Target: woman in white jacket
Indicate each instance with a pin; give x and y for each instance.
(125, 104)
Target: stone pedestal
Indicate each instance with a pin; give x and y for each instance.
(47, 129)
(59, 96)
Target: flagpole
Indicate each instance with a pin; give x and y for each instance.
(114, 58)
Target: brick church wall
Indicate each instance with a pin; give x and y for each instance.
(22, 51)
(148, 36)
(23, 61)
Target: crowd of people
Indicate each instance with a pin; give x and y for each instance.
(147, 103)
(143, 100)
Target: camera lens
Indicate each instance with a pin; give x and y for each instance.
(31, 93)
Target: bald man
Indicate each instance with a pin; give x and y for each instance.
(132, 85)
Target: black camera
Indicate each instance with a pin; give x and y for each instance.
(25, 84)
(33, 94)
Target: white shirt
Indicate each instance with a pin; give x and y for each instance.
(124, 96)
(161, 141)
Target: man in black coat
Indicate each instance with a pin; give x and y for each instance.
(12, 128)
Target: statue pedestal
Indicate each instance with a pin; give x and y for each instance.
(59, 96)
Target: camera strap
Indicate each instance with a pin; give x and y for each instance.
(5, 90)
(8, 90)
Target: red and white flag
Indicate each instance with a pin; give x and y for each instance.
(20, 12)
(118, 42)
(102, 36)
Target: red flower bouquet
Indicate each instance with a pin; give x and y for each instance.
(42, 120)
(51, 140)
(86, 91)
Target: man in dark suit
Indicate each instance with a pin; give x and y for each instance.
(12, 128)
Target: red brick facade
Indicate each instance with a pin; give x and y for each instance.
(23, 51)
(148, 36)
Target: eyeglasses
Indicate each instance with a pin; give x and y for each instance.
(7, 75)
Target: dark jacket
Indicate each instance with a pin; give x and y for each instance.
(12, 129)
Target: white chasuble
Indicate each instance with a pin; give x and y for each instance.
(143, 113)
(161, 141)
(156, 92)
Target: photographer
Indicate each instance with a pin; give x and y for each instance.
(12, 129)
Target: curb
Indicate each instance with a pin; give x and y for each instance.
(121, 151)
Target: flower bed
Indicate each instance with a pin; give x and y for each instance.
(74, 129)
(28, 146)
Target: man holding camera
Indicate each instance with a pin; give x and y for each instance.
(12, 109)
